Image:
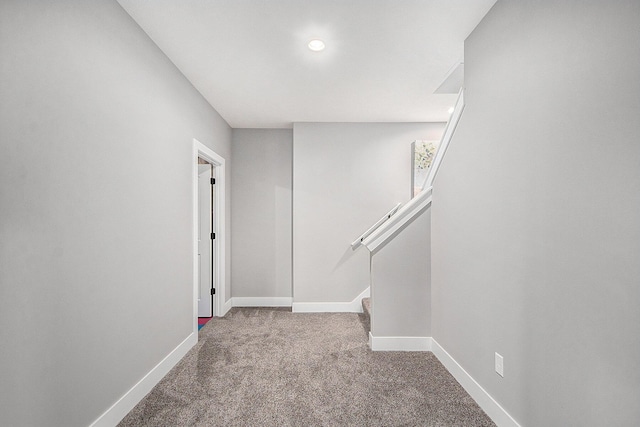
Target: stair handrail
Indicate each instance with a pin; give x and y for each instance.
(422, 201)
(373, 228)
(450, 128)
(404, 214)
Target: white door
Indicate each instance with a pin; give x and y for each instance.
(205, 241)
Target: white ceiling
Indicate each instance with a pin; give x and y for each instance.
(249, 58)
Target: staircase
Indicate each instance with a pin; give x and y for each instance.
(400, 291)
(366, 310)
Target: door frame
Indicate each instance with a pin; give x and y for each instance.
(206, 248)
(202, 151)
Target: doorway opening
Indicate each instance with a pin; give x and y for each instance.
(206, 238)
(208, 235)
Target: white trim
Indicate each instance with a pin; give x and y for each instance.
(131, 398)
(226, 307)
(399, 343)
(371, 229)
(202, 151)
(452, 124)
(398, 221)
(262, 301)
(488, 404)
(355, 306)
(417, 205)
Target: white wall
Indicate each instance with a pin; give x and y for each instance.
(400, 282)
(535, 220)
(345, 177)
(261, 211)
(96, 129)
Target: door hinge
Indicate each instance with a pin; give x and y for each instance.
(213, 236)
(213, 291)
(213, 181)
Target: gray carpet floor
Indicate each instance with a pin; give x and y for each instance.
(271, 367)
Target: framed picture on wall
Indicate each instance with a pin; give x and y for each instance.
(422, 154)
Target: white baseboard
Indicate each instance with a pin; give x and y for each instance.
(399, 343)
(355, 306)
(126, 403)
(493, 409)
(226, 307)
(262, 301)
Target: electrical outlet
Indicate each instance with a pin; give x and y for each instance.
(499, 365)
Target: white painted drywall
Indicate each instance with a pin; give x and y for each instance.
(400, 282)
(535, 220)
(345, 177)
(261, 212)
(96, 129)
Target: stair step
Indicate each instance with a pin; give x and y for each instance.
(366, 305)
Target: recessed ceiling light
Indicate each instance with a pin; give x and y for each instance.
(316, 45)
(450, 110)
